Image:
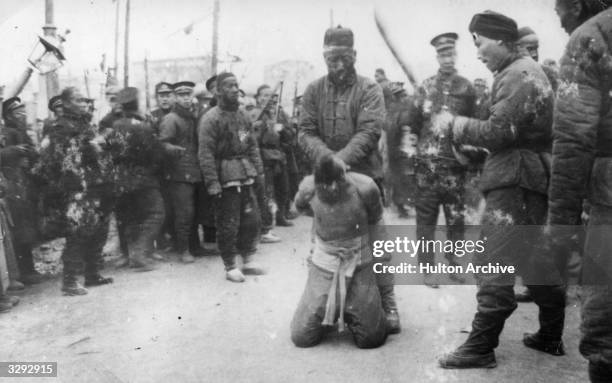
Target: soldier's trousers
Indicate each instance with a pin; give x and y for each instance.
(267, 220)
(510, 244)
(596, 342)
(238, 224)
(205, 215)
(141, 214)
(444, 189)
(168, 224)
(363, 314)
(89, 217)
(277, 186)
(183, 205)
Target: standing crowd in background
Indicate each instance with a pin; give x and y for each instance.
(212, 171)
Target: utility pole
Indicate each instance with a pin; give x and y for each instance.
(51, 79)
(126, 54)
(215, 37)
(331, 18)
(116, 64)
(146, 70)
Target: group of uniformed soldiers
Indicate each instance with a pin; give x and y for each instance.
(231, 167)
(538, 145)
(147, 170)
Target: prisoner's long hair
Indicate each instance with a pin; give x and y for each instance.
(329, 179)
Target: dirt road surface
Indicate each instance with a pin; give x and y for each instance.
(186, 323)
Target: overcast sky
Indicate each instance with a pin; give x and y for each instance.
(265, 31)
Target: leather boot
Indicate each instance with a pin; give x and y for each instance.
(186, 257)
(5, 306)
(389, 305)
(6, 300)
(141, 264)
(97, 280)
(281, 219)
(463, 358)
(537, 342)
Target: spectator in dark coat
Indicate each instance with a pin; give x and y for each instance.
(179, 138)
(231, 164)
(514, 182)
(582, 167)
(17, 159)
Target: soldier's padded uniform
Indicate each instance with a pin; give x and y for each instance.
(20, 194)
(157, 115)
(140, 208)
(514, 182)
(363, 310)
(440, 177)
(182, 171)
(230, 162)
(582, 168)
(403, 119)
(78, 193)
(275, 165)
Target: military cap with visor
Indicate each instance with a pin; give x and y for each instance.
(163, 87)
(182, 87)
(10, 105)
(55, 102)
(444, 41)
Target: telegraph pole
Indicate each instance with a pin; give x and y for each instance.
(116, 64)
(215, 37)
(126, 54)
(51, 79)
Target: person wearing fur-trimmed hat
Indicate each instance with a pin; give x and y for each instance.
(441, 178)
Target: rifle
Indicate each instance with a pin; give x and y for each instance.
(278, 102)
(295, 93)
(260, 115)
